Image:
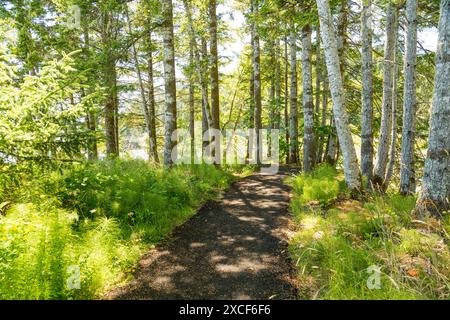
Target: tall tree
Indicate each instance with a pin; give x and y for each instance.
(386, 111)
(407, 171)
(277, 85)
(170, 110)
(214, 70)
(293, 115)
(309, 140)
(151, 99)
(91, 116)
(434, 198)
(393, 149)
(367, 91)
(286, 96)
(257, 77)
(110, 78)
(192, 105)
(352, 175)
(342, 24)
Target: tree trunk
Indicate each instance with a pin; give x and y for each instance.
(206, 112)
(323, 116)
(286, 96)
(309, 140)
(352, 175)
(91, 118)
(214, 72)
(407, 172)
(434, 198)
(277, 85)
(151, 101)
(110, 83)
(386, 111)
(170, 113)
(318, 73)
(331, 153)
(318, 93)
(192, 106)
(251, 119)
(257, 80)
(367, 92)
(293, 117)
(393, 149)
(272, 102)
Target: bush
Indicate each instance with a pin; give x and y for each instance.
(98, 217)
(322, 186)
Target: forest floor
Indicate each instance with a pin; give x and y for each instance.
(233, 248)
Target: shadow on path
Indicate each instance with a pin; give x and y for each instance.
(235, 248)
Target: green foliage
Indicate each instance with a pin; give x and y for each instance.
(96, 216)
(39, 120)
(334, 248)
(40, 244)
(322, 186)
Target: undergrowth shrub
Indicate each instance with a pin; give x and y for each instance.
(98, 217)
(320, 187)
(337, 249)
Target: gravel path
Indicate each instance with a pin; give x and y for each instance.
(235, 248)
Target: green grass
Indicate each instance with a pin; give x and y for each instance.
(98, 217)
(336, 244)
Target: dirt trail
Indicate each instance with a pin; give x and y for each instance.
(235, 248)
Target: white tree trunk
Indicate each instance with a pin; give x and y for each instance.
(367, 91)
(170, 110)
(386, 110)
(407, 172)
(435, 194)
(393, 149)
(309, 140)
(198, 66)
(351, 169)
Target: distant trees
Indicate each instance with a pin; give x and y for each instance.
(299, 52)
